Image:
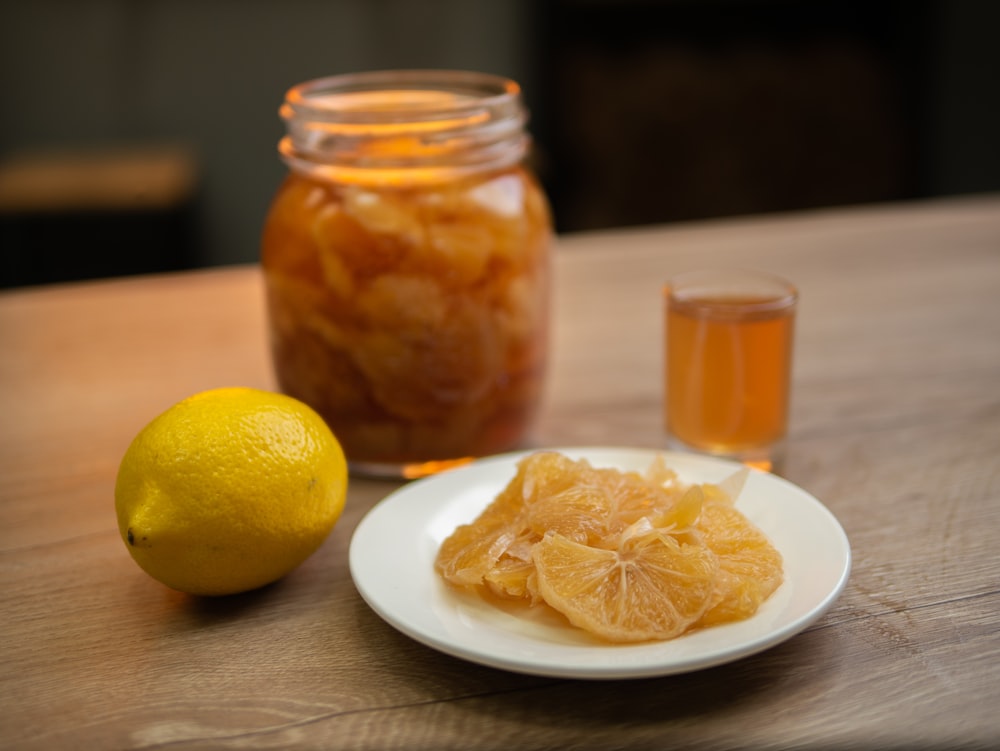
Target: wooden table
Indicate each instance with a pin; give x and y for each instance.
(895, 427)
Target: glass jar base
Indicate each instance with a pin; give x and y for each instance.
(768, 458)
(404, 470)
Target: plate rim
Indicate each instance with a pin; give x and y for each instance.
(515, 663)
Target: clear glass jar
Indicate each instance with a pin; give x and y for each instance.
(406, 258)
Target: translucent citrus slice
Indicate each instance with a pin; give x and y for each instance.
(681, 515)
(633, 497)
(602, 503)
(513, 575)
(546, 473)
(750, 567)
(509, 571)
(652, 587)
(494, 550)
(468, 554)
(579, 513)
(658, 473)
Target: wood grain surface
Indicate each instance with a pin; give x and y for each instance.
(895, 427)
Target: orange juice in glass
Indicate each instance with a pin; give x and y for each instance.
(729, 337)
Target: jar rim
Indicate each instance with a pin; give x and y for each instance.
(403, 126)
(468, 90)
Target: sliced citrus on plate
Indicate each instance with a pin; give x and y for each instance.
(627, 556)
(651, 587)
(750, 567)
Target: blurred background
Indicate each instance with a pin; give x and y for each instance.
(140, 135)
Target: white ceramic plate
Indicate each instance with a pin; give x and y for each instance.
(392, 563)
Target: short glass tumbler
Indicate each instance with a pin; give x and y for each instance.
(729, 344)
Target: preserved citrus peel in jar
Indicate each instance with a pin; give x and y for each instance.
(408, 293)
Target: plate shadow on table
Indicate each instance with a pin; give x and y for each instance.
(582, 703)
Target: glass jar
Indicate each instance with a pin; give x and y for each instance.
(406, 259)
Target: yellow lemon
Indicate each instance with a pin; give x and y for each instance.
(229, 490)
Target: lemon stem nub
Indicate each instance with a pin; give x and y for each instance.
(130, 537)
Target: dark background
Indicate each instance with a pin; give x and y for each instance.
(139, 135)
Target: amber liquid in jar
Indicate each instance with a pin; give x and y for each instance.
(406, 260)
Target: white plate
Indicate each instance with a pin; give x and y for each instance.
(392, 563)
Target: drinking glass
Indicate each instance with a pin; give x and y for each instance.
(729, 342)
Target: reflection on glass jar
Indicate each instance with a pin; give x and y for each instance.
(406, 260)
